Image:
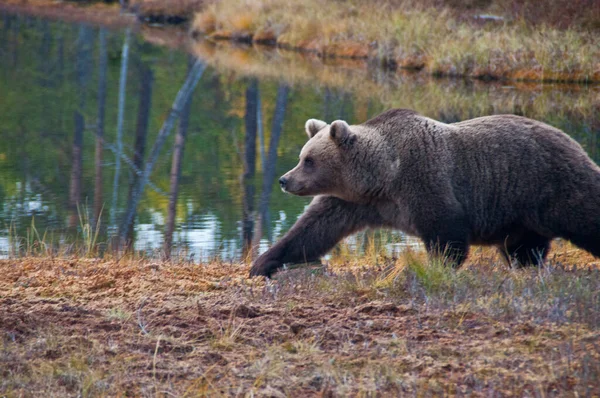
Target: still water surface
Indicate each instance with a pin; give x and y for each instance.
(60, 85)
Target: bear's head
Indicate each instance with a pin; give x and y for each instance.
(325, 165)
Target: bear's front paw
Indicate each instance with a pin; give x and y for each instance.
(264, 268)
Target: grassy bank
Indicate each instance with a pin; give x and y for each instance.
(549, 41)
(396, 35)
(365, 325)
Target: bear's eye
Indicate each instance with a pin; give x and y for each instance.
(308, 162)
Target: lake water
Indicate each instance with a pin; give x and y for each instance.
(243, 129)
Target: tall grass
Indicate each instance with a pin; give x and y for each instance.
(32, 243)
(89, 231)
(84, 243)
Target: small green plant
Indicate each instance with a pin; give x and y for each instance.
(432, 275)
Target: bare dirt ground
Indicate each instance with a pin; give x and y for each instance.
(86, 327)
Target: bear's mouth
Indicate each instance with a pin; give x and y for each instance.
(296, 192)
(292, 190)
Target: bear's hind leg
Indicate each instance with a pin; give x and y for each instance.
(590, 243)
(530, 249)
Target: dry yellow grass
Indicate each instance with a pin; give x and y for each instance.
(440, 41)
(414, 38)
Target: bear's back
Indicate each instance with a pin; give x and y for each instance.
(508, 168)
(519, 142)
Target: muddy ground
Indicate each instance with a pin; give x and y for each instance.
(86, 327)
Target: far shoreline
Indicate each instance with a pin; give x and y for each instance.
(181, 30)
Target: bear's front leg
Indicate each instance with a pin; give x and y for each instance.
(324, 223)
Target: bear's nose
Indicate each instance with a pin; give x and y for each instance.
(283, 182)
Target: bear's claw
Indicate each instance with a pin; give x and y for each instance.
(261, 268)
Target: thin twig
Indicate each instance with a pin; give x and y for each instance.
(134, 168)
(140, 317)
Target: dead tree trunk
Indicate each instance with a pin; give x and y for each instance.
(83, 66)
(76, 165)
(141, 132)
(249, 166)
(176, 174)
(102, 69)
(259, 129)
(121, 110)
(182, 97)
(269, 167)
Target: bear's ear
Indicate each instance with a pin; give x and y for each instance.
(340, 133)
(313, 126)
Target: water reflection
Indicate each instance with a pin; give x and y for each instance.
(86, 116)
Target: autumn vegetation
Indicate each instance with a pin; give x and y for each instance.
(480, 39)
(549, 41)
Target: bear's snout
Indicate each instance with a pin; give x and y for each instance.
(283, 183)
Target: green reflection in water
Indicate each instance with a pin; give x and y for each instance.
(49, 73)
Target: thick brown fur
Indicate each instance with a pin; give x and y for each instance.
(502, 180)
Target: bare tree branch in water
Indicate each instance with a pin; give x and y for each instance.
(259, 127)
(269, 169)
(182, 97)
(141, 132)
(102, 69)
(45, 47)
(249, 165)
(139, 172)
(60, 62)
(176, 173)
(345, 106)
(76, 166)
(83, 66)
(327, 104)
(122, 92)
(16, 28)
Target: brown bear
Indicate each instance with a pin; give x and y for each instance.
(500, 180)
